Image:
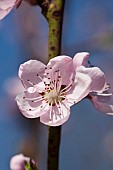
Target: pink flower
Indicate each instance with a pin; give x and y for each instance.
(102, 100)
(17, 162)
(51, 90)
(99, 94)
(6, 6)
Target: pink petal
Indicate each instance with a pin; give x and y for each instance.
(27, 110)
(102, 107)
(5, 4)
(102, 97)
(80, 59)
(32, 93)
(57, 119)
(4, 12)
(30, 71)
(97, 77)
(81, 87)
(17, 162)
(65, 66)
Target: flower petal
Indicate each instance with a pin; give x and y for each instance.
(58, 117)
(33, 97)
(27, 110)
(4, 12)
(17, 162)
(80, 59)
(65, 66)
(102, 97)
(97, 77)
(30, 71)
(5, 4)
(102, 107)
(80, 89)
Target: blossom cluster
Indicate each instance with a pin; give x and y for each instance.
(50, 90)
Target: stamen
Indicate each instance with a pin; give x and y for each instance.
(66, 88)
(57, 104)
(59, 82)
(50, 113)
(32, 109)
(41, 107)
(61, 111)
(39, 77)
(65, 106)
(55, 114)
(55, 81)
(71, 102)
(30, 82)
(36, 98)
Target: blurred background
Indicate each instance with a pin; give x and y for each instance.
(87, 138)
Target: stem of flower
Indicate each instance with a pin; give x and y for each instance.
(54, 16)
(54, 134)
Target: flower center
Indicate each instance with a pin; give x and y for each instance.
(53, 93)
(52, 97)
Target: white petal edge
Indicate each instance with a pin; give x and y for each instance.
(24, 108)
(82, 87)
(97, 76)
(80, 59)
(61, 119)
(29, 71)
